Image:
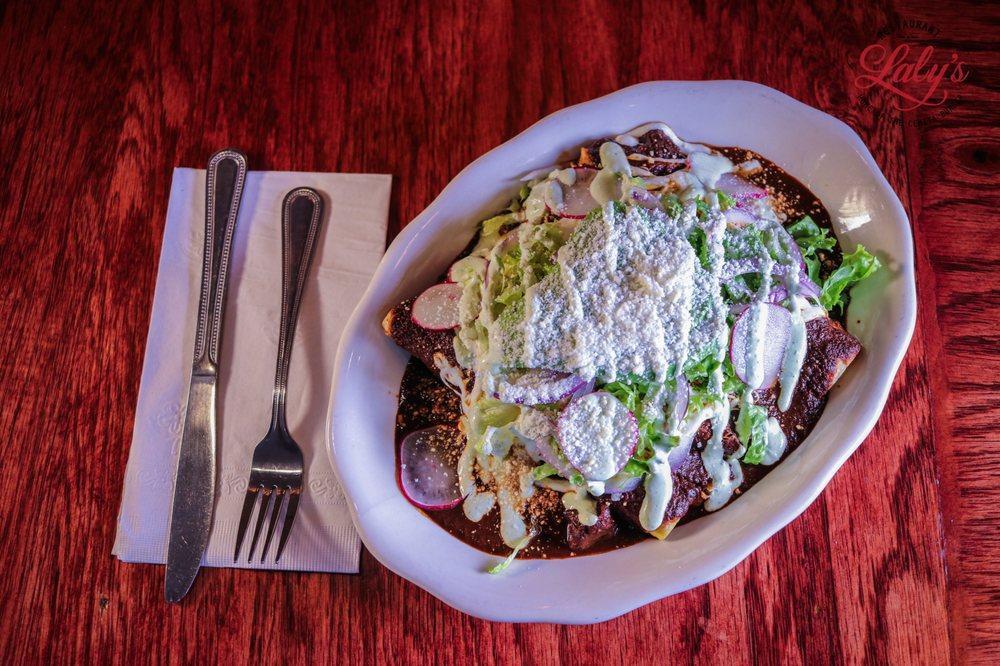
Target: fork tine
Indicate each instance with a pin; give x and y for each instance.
(241, 531)
(265, 502)
(293, 505)
(279, 496)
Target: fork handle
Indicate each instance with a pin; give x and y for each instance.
(224, 180)
(301, 212)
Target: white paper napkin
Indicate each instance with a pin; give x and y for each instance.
(350, 246)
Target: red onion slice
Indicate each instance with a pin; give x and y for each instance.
(537, 387)
(437, 308)
(598, 435)
(643, 198)
(682, 396)
(774, 336)
(740, 218)
(677, 455)
(778, 295)
(739, 188)
(545, 450)
(621, 483)
(583, 389)
(428, 468)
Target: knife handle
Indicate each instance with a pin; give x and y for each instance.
(301, 212)
(224, 181)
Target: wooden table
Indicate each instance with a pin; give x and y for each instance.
(897, 561)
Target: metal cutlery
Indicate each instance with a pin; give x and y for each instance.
(194, 487)
(277, 468)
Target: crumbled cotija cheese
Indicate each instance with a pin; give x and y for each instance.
(620, 302)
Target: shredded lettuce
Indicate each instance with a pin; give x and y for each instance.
(751, 428)
(856, 266)
(702, 209)
(502, 566)
(511, 279)
(493, 225)
(811, 238)
(487, 416)
(495, 413)
(632, 391)
(635, 467)
(672, 205)
(725, 201)
(743, 242)
(517, 203)
(699, 241)
(544, 471)
(699, 370)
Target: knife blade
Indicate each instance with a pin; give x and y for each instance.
(194, 487)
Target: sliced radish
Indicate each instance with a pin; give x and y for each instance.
(577, 201)
(598, 435)
(771, 339)
(428, 468)
(437, 308)
(537, 387)
(467, 266)
(739, 188)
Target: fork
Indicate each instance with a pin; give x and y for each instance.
(277, 468)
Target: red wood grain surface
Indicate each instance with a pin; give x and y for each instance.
(898, 561)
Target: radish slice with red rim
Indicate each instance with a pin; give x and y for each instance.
(772, 339)
(537, 387)
(598, 435)
(577, 201)
(428, 462)
(437, 308)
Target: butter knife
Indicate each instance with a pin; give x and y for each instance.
(194, 487)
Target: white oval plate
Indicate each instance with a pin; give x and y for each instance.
(823, 153)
